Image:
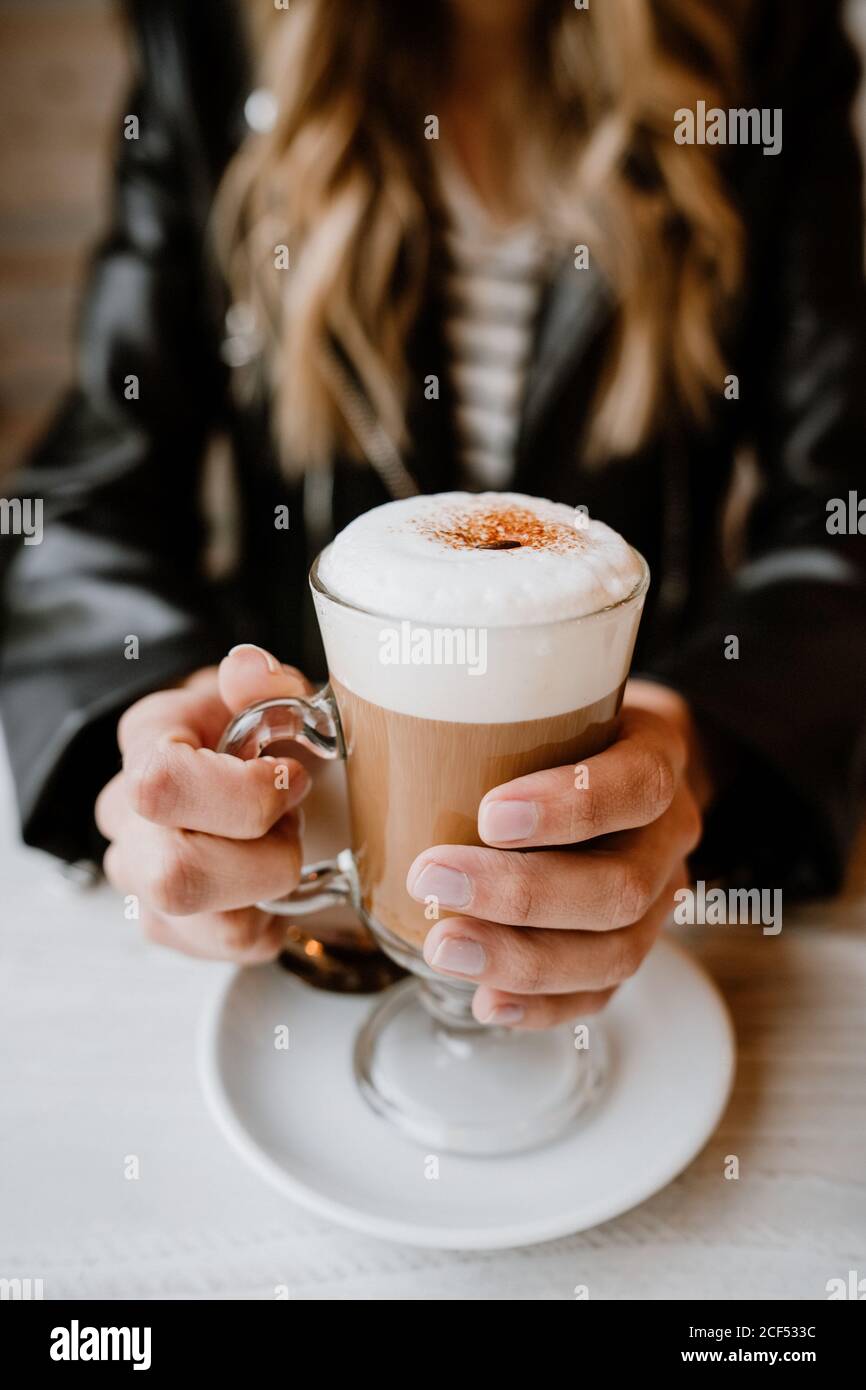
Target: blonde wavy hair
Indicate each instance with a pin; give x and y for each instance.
(345, 180)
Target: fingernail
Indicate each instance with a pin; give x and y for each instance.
(272, 664)
(504, 1015)
(507, 820)
(460, 956)
(449, 887)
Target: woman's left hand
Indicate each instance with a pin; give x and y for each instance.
(549, 935)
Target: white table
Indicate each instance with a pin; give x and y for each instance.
(97, 1063)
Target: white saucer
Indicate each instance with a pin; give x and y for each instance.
(298, 1119)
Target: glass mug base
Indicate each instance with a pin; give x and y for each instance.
(481, 1091)
(424, 1063)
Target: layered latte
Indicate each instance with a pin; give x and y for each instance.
(471, 638)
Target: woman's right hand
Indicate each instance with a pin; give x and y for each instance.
(197, 836)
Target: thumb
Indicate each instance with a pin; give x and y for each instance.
(249, 674)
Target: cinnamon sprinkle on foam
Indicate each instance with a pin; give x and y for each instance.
(499, 528)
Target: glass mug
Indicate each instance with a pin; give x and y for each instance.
(427, 721)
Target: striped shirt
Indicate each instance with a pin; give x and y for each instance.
(492, 297)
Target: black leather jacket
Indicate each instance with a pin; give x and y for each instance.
(122, 551)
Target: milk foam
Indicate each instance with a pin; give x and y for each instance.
(415, 559)
(519, 586)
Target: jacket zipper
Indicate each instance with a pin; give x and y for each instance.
(377, 445)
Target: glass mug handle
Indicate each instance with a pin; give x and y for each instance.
(314, 723)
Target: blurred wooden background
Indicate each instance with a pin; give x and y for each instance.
(63, 72)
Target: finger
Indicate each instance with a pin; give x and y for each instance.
(510, 1006)
(630, 784)
(195, 715)
(206, 678)
(590, 889)
(182, 873)
(538, 1011)
(177, 786)
(112, 810)
(247, 937)
(540, 961)
(249, 674)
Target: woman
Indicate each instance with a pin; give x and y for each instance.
(461, 245)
